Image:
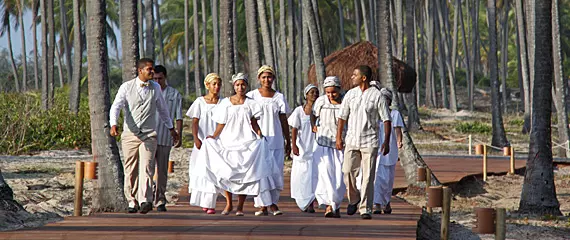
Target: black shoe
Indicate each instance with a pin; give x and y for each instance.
(388, 209)
(146, 207)
(132, 210)
(337, 213)
(366, 216)
(161, 208)
(351, 209)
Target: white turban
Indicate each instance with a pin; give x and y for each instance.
(239, 76)
(307, 89)
(331, 81)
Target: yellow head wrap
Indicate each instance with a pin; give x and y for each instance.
(210, 78)
(265, 68)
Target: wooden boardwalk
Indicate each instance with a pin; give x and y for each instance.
(185, 222)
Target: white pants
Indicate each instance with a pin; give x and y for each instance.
(268, 198)
(384, 183)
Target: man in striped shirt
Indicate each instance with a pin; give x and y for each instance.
(362, 107)
(174, 101)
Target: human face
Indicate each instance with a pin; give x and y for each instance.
(312, 95)
(160, 79)
(266, 79)
(146, 73)
(332, 93)
(214, 86)
(240, 87)
(357, 78)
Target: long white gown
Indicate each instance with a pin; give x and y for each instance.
(303, 173)
(270, 126)
(238, 161)
(330, 189)
(206, 126)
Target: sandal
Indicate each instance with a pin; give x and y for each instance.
(239, 213)
(211, 211)
(329, 212)
(261, 213)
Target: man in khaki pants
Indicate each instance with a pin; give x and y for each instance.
(174, 101)
(141, 99)
(362, 107)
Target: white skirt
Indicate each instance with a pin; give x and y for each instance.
(274, 185)
(203, 193)
(304, 177)
(330, 189)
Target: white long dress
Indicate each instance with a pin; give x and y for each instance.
(386, 165)
(206, 126)
(303, 173)
(238, 161)
(270, 126)
(330, 187)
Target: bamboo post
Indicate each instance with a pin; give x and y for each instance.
(512, 170)
(470, 145)
(428, 184)
(446, 213)
(78, 207)
(500, 225)
(484, 162)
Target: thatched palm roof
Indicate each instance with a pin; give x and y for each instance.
(342, 62)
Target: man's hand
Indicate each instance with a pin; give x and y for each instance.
(315, 129)
(179, 143)
(287, 148)
(339, 144)
(175, 136)
(400, 145)
(198, 143)
(385, 149)
(114, 131)
(295, 150)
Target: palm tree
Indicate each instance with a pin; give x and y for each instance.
(227, 44)
(215, 33)
(196, 58)
(265, 34)
(499, 138)
(8, 9)
(45, 82)
(283, 47)
(357, 19)
(50, 52)
(108, 195)
(204, 45)
(252, 38)
(141, 27)
(290, 81)
(63, 31)
(316, 45)
(341, 23)
(74, 90)
(149, 18)
(129, 38)
(186, 50)
(410, 99)
(538, 195)
(21, 8)
(35, 8)
(160, 38)
(430, 95)
(560, 89)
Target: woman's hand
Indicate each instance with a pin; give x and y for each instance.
(295, 150)
(198, 143)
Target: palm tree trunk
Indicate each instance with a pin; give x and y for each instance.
(341, 23)
(24, 52)
(306, 57)
(283, 51)
(129, 39)
(45, 84)
(561, 99)
(215, 30)
(274, 41)
(504, 55)
(357, 20)
(525, 74)
(499, 138)
(430, 98)
(59, 67)
(448, 58)
(252, 39)
(109, 196)
(411, 159)
(186, 50)
(441, 53)
(141, 27)
(398, 8)
(149, 18)
(74, 90)
(265, 34)
(291, 52)
(64, 38)
(34, 36)
(365, 20)
(204, 45)
(466, 51)
(299, 84)
(418, 58)
(538, 195)
(235, 35)
(51, 52)
(226, 43)
(196, 59)
(315, 4)
(12, 61)
(410, 98)
(317, 54)
(159, 25)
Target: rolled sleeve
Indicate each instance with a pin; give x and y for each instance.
(345, 109)
(384, 110)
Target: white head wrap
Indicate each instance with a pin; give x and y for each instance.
(239, 76)
(307, 89)
(331, 81)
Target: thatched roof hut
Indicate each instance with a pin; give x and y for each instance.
(342, 63)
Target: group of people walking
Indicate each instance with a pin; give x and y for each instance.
(340, 143)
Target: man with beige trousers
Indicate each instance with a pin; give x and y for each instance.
(141, 99)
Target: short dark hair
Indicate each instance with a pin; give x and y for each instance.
(366, 71)
(141, 63)
(160, 69)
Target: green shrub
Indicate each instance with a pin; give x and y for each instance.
(516, 122)
(26, 127)
(473, 127)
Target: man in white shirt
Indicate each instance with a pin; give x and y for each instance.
(141, 99)
(362, 107)
(173, 99)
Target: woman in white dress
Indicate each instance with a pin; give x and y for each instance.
(330, 188)
(202, 126)
(274, 126)
(237, 159)
(386, 164)
(303, 173)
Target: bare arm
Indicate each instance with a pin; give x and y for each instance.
(294, 133)
(340, 129)
(385, 149)
(399, 136)
(286, 134)
(179, 131)
(255, 127)
(195, 127)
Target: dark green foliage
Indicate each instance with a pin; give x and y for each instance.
(473, 127)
